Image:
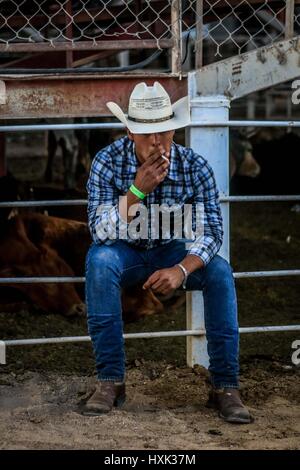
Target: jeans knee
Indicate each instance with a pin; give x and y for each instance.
(219, 270)
(102, 260)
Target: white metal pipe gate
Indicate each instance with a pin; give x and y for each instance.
(210, 115)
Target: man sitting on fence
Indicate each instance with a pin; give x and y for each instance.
(129, 179)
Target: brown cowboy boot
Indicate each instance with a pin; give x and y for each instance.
(229, 404)
(106, 395)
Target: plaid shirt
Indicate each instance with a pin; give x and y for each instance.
(190, 180)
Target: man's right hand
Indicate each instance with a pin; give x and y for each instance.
(152, 172)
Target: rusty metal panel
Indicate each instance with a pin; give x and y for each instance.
(88, 45)
(58, 96)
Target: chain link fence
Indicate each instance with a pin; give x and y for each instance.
(232, 27)
(208, 29)
(72, 21)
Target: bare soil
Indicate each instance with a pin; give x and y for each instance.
(165, 410)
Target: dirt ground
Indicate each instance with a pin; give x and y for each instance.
(165, 410)
(42, 388)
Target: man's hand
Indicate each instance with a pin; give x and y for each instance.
(164, 281)
(153, 171)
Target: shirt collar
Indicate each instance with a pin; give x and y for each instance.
(131, 156)
(174, 172)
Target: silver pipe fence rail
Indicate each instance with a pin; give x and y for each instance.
(115, 125)
(83, 202)
(81, 279)
(67, 202)
(149, 335)
(260, 198)
(56, 127)
(41, 279)
(246, 123)
(144, 335)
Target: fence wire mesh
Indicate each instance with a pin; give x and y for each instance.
(219, 28)
(32, 21)
(237, 26)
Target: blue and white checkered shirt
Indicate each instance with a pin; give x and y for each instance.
(190, 180)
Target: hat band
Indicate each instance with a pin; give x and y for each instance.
(150, 121)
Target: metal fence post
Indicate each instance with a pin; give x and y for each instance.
(213, 144)
(2, 352)
(177, 36)
(289, 18)
(199, 35)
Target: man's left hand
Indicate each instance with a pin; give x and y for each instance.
(164, 281)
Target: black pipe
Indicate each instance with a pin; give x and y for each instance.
(81, 70)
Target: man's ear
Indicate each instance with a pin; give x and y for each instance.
(129, 134)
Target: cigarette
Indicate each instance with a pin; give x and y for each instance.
(165, 158)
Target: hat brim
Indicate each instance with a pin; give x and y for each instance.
(181, 118)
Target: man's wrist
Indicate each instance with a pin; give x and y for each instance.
(185, 274)
(192, 262)
(137, 192)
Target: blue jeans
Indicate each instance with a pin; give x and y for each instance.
(112, 267)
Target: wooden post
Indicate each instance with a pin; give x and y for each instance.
(176, 33)
(199, 35)
(289, 18)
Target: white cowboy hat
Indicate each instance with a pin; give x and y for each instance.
(150, 110)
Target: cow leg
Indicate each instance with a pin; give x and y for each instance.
(83, 159)
(52, 147)
(69, 152)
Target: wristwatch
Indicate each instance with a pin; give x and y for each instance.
(185, 272)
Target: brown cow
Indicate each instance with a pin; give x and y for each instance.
(19, 257)
(33, 244)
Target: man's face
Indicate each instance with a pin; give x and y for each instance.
(148, 144)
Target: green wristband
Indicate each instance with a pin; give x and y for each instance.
(137, 192)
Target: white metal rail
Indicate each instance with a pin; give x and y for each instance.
(83, 202)
(116, 125)
(146, 335)
(81, 279)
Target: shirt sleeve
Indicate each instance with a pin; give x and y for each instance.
(104, 220)
(210, 237)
